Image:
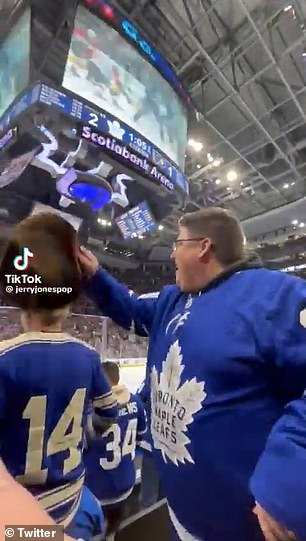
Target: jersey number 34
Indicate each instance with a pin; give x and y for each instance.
(119, 448)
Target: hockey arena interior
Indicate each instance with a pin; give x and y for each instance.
(153, 261)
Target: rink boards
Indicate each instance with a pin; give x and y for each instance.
(132, 372)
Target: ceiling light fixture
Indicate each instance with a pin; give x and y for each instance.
(231, 176)
(196, 145)
(295, 222)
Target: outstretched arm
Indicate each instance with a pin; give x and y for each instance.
(116, 300)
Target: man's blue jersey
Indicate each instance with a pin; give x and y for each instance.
(109, 460)
(144, 394)
(226, 373)
(46, 384)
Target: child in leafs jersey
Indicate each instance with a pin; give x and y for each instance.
(109, 460)
(47, 378)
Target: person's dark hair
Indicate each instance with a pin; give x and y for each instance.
(53, 241)
(222, 227)
(112, 372)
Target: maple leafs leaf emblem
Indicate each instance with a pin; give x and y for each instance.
(174, 405)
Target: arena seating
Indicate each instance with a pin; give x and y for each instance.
(108, 339)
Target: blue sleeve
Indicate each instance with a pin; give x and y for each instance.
(279, 480)
(88, 521)
(120, 304)
(103, 400)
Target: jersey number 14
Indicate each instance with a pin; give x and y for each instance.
(59, 440)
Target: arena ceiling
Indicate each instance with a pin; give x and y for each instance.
(244, 63)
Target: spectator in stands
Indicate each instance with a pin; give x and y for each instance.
(109, 460)
(227, 372)
(47, 378)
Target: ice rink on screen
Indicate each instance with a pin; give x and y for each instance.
(135, 75)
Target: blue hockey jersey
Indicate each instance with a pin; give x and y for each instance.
(109, 460)
(223, 366)
(145, 443)
(46, 383)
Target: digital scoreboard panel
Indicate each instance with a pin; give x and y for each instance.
(94, 124)
(136, 221)
(110, 72)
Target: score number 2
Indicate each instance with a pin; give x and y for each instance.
(58, 441)
(94, 120)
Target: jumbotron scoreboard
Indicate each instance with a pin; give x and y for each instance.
(112, 133)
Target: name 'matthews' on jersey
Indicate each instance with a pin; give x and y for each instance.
(109, 460)
(48, 381)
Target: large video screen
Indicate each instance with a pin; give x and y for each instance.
(136, 221)
(106, 70)
(15, 62)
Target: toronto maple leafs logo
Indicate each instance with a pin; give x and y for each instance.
(178, 321)
(115, 129)
(173, 407)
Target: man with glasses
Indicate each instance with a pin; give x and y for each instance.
(227, 376)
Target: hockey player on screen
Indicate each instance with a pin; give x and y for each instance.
(85, 59)
(48, 377)
(117, 89)
(227, 377)
(109, 460)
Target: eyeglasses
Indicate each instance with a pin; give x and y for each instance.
(179, 242)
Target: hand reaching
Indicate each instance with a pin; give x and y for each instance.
(87, 261)
(272, 530)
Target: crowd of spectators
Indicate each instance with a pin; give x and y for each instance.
(108, 339)
(86, 322)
